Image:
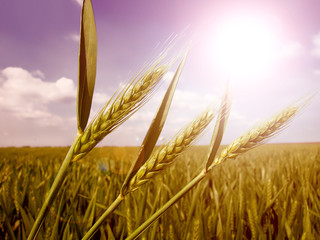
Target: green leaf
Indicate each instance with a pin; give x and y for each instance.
(55, 230)
(27, 221)
(219, 128)
(89, 214)
(8, 226)
(110, 233)
(87, 64)
(67, 234)
(192, 208)
(102, 234)
(155, 128)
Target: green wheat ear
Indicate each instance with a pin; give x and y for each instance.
(87, 65)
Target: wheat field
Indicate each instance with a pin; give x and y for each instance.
(271, 192)
(174, 191)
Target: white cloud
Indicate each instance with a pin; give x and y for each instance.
(20, 82)
(316, 45)
(27, 97)
(293, 49)
(100, 98)
(38, 73)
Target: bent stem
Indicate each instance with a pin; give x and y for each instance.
(103, 217)
(165, 207)
(53, 192)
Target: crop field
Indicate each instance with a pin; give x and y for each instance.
(271, 192)
(178, 190)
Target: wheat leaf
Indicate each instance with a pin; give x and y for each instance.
(87, 64)
(155, 128)
(219, 128)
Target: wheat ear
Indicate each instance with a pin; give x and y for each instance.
(257, 135)
(123, 106)
(166, 154)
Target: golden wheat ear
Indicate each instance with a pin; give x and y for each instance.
(113, 114)
(167, 153)
(260, 134)
(87, 64)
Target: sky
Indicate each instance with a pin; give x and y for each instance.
(268, 51)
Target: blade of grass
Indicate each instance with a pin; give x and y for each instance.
(25, 219)
(219, 127)
(89, 214)
(55, 230)
(101, 220)
(194, 202)
(8, 226)
(110, 233)
(87, 72)
(155, 128)
(87, 64)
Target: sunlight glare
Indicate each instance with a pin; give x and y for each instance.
(244, 47)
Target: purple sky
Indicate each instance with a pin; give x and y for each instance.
(39, 57)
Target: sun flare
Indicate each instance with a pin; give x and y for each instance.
(245, 47)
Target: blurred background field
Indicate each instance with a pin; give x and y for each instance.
(271, 192)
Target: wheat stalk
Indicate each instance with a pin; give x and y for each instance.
(123, 106)
(165, 155)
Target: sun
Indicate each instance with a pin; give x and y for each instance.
(244, 47)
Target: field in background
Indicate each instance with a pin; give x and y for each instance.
(271, 192)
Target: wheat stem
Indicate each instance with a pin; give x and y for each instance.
(100, 221)
(129, 221)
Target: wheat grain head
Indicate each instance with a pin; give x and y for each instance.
(257, 135)
(123, 106)
(167, 153)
